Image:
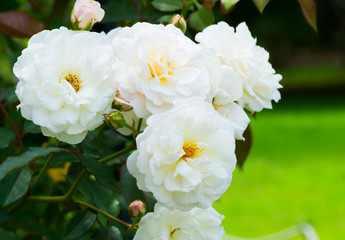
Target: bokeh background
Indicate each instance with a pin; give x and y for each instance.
(295, 172)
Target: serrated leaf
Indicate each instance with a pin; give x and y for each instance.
(167, 5)
(14, 186)
(227, 4)
(79, 224)
(19, 24)
(107, 233)
(30, 127)
(243, 147)
(201, 19)
(261, 4)
(6, 136)
(309, 12)
(101, 173)
(19, 161)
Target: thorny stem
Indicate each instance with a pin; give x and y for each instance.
(129, 226)
(14, 127)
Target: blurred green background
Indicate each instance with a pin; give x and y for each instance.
(295, 171)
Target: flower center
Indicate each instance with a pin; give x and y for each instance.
(160, 68)
(173, 231)
(191, 150)
(73, 80)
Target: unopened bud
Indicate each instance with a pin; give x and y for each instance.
(121, 104)
(115, 120)
(85, 14)
(137, 209)
(179, 22)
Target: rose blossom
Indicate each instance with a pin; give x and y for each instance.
(165, 224)
(86, 13)
(158, 65)
(238, 50)
(185, 156)
(65, 82)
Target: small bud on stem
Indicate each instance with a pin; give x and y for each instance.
(85, 14)
(179, 22)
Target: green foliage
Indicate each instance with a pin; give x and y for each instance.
(6, 136)
(14, 186)
(19, 161)
(261, 4)
(107, 233)
(80, 224)
(101, 173)
(201, 19)
(168, 5)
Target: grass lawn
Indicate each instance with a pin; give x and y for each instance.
(295, 172)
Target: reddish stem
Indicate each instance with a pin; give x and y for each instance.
(14, 127)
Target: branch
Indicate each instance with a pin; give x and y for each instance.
(103, 213)
(14, 127)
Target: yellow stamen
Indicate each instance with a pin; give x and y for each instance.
(191, 150)
(158, 69)
(73, 80)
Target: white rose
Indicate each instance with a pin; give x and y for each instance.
(86, 13)
(158, 65)
(225, 100)
(165, 224)
(65, 82)
(185, 156)
(240, 52)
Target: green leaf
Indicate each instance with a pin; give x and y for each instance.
(107, 233)
(129, 187)
(6, 136)
(261, 4)
(19, 161)
(201, 19)
(5, 235)
(80, 224)
(11, 96)
(14, 186)
(243, 147)
(227, 4)
(309, 12)
(102, 175)
(102, 197)
(165, 18)
(3, 217)
(119, 10)
(30, 127)
(19, 24)
(167, 5)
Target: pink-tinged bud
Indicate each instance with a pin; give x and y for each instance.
(179, 22)
(137, 209)
(121, 104)
(85, 14)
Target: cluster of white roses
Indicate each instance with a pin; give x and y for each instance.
(190, 95)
